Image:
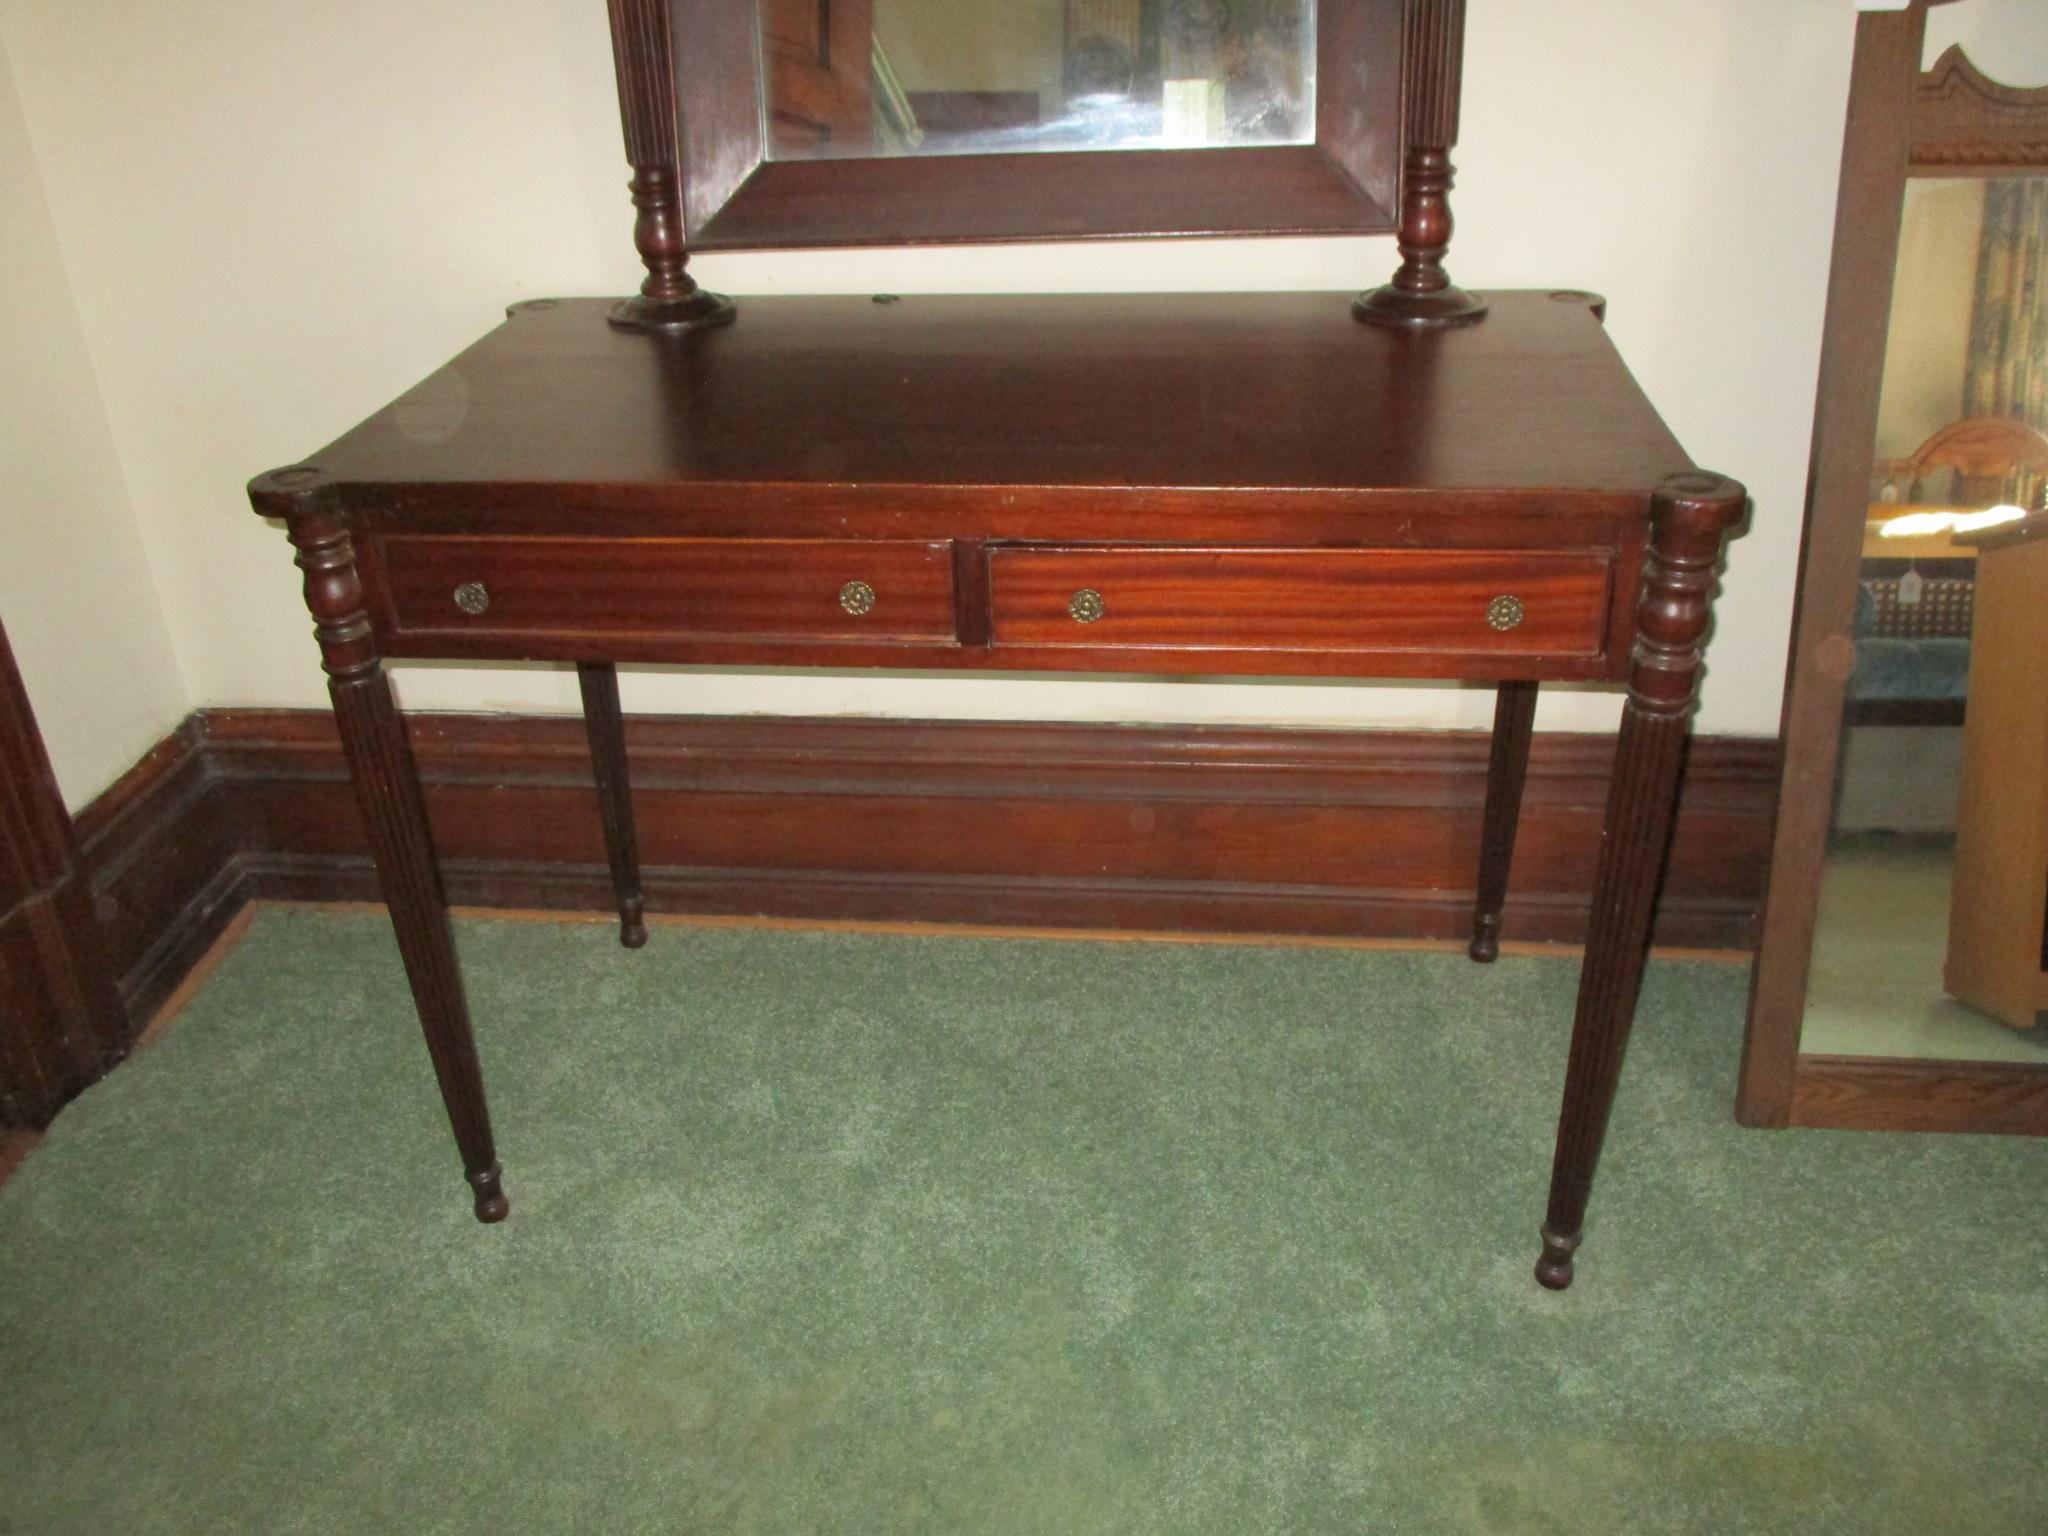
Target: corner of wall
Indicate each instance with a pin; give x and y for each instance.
(77, 588)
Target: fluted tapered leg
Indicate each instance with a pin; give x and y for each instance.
(387, 788)
(606, 727)
(1691, 517)
(1514, 715)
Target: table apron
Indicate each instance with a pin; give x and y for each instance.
(965, 605)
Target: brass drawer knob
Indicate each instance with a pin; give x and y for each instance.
(857, 598)
(1085, 605)
(1504, 612)
(472, 598)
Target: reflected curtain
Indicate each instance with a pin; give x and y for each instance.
(2007, 373)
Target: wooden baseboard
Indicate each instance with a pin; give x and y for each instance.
(1097, 826)
(1900, 1093)
(163, 853)
(1197, 829)
(1369, 834)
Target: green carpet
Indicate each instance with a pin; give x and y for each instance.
(821, 1232)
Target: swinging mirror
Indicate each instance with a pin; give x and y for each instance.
(832, 122)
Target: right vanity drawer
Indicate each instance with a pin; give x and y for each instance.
(1482, 603)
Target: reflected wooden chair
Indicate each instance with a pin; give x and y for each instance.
(1913, 654)
(1993, 459)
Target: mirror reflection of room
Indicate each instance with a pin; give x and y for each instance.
(899, 77)
(1930, 933)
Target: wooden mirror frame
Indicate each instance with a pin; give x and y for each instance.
(690, 86)
(735, 197)
(1951, 121)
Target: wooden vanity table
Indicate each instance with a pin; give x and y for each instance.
(1232, 485)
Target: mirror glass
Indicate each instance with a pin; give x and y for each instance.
(1930, 936)
(865, 78)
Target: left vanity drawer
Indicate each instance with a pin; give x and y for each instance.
(539, 596)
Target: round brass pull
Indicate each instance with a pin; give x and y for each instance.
(1085, 605)
(1504, 612)
(472, 598)
(857, 598)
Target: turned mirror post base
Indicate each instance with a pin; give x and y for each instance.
(1391, 304)
(669, 301)
(1438, 308)
(701, 311)
(1421, 295)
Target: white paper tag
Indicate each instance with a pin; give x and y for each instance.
(1909, 589)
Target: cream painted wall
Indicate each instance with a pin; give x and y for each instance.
(1933, 297)
(2007, 39)
(81, 612)
(276, 217)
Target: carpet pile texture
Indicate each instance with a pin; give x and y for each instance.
(837, 1232)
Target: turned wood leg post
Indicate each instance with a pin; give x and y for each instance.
(387, 788)
(669, 301)
(1691, 517)
(606, 728)
(1514, 717)
(1421, 293)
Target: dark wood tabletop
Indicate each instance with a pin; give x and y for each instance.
(1252, 391)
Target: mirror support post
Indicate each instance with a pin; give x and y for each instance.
(643, 47)
(1421, 293)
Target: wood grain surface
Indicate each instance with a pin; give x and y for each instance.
(1007, 411)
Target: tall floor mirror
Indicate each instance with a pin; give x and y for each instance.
(1902, 979)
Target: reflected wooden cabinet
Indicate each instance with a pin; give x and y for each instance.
(819, 57)
(1998, 913)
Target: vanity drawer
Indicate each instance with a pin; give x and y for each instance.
(1524, 603)
(757, 590)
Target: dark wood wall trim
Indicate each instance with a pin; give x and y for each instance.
(1046, 825)
(163, 852)
(60, 1024)
(1198, 829)
(1890, 1093)
(1210, 829)
(1203, 829)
